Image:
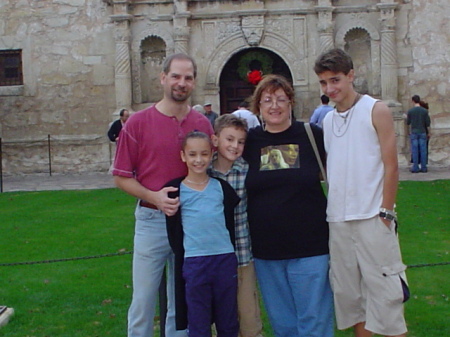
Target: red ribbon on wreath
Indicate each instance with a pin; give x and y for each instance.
(254, 76)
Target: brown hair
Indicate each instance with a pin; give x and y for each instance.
(229, 120)
(195, 134)
(271, 83)
(424, 104)
(180, 56)
(334, 60)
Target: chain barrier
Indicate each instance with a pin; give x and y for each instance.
(420, 265)
(428, 264)
(64, 260)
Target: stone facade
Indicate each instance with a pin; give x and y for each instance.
(83, 60)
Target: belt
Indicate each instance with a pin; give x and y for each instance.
(143, 203)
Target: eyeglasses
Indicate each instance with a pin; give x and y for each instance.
(281, 102)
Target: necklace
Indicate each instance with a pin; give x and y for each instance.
(344, 116)
(357, 97)
(196, 183)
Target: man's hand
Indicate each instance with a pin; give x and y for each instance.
(169, 206)
(160, 199)
(387, 222)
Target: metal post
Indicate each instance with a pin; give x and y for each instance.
(110, 153)
(49, 156)
(163, 305)
(1, 166)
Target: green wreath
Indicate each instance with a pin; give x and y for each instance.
(244, 63)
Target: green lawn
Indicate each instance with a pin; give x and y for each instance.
(90, 297)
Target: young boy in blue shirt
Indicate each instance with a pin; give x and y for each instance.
(230, 133)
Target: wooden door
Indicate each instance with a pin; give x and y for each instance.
(233, 92)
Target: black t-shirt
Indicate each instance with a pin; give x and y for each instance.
(286, 202)
(419, 119)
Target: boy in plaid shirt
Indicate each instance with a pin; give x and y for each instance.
(228, 164)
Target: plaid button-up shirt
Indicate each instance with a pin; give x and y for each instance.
(236, 178)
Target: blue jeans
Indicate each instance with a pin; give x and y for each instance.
(151, 252)
(419, 146)
(297, 296)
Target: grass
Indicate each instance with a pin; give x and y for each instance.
(75, 298)
(90, 297)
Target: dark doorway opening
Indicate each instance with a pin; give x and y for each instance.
(234, 83)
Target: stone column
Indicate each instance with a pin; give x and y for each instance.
(123, 84)
(389, 68)
(325, 25)
(180, 27)
(211, 94)
(181, 37)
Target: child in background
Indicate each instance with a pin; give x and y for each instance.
(201, 235)
(227, 164)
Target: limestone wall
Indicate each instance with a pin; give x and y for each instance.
(78, 70)
(56, 155)
(424, 63)
(68, 92)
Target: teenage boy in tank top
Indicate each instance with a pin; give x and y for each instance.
(366, 266)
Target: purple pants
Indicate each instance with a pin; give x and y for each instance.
(211, 295)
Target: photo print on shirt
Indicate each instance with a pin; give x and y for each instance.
(278, 157)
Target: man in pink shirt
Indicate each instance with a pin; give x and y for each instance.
(147, 157)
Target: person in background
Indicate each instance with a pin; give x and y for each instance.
(245, 113)
(286, 214)
(425, 105)
(321, 111)
(230, 133)
(199, 108)
(142, 166)
(419, 120)
(367, 272)
(201, 235)
(116, 126)
(209, 113)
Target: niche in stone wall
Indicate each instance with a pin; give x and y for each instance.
(153, 52)
(357, 44)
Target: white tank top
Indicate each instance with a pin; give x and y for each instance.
(355, 170)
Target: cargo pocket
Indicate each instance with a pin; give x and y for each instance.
(397, 285)
(405, 288)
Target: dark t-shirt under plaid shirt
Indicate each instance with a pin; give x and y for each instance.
(236, 178)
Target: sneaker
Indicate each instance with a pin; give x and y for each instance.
(424, 170)
(414, 171)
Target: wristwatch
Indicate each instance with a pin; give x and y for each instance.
(387, 214)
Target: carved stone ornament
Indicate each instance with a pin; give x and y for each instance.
(253, 29)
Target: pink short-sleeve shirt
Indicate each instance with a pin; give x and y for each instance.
(150, 143)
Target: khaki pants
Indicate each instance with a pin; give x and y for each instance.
(250, 324)
(366, 267)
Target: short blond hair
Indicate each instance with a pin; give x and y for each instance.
(229, 120)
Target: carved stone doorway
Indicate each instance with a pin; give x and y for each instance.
(357, 44)
(234, 84)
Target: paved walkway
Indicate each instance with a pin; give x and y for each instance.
(45, 182)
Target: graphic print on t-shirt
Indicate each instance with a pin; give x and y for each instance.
(278, 157)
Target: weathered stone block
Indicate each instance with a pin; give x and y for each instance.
(103, 75)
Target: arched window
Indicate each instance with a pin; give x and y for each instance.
(153, 52)
(357, 44)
